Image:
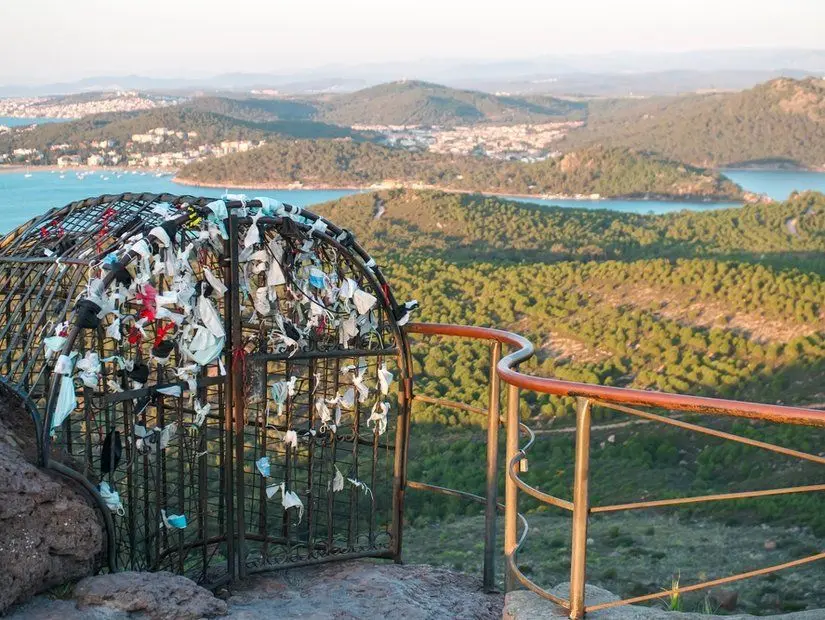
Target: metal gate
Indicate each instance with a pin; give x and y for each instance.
(227, 377)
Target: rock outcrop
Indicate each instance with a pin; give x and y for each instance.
(343, 590)
(50, 533)
(160, 595)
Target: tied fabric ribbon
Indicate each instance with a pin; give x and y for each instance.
(162, 331)
(148, 297)
(107, 216)
(134, 335)
(239, 359)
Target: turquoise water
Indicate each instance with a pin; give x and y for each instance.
(630, 206)
(10, 121)
(22, 197)
(778, 184)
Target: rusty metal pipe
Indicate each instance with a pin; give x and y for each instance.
(581, 509)
(510, 488)
(490, 512)
(680, 402)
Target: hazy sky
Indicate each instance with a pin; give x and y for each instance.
(68, 39)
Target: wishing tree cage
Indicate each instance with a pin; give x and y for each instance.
(227, 377)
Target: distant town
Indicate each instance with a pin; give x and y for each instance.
(168, 148)
(523, 142)
(140, 151)
(78, 106)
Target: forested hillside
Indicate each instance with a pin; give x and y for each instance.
(421, 103)
(722, 303)
(342, 163)
(210, 127)
(674, 300)
(407, 102)
(466, 227)
(258, 110)
(779, 122)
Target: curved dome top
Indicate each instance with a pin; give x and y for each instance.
(143, 328)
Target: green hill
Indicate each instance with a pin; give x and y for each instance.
(779, 122)
(257, 110)
(397, 103)
(422, 103)
(344, 163)
(687, 302)
(210, 127)
(466, 227)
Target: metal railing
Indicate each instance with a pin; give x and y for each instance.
(618, 399)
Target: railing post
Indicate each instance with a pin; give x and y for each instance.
(490, 512)
(581, 510)
(510, 489)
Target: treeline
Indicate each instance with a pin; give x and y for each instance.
(464, 227)
(619, 340)
(399, 103)
(344, 163)
(674, 314)
(412, 102)
(779, 122)
(210, 128)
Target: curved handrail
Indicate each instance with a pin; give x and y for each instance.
(682, 402)
(506, 370)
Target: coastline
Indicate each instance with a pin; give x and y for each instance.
(768, 168)
(417, 186)
(746, 198)
(12, 168)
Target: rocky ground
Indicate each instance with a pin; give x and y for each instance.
(341, 590)
(637, 553)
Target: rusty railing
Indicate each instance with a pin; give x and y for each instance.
(586, 395)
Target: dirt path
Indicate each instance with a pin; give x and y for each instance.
(598, 427)
(378, 209)
(791, 226)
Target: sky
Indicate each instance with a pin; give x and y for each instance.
(55, 40)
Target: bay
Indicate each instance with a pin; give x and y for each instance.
(13, 121)
(778, 184)
(23, 197)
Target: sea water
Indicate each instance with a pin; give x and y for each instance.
(22, 197)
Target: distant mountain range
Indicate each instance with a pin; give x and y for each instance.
(597, 74)
(423, 103)
(399, 103)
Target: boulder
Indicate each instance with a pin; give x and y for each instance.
(160, 595)
(726, 599)
(50, 533)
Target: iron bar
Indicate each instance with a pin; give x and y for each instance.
(699, 404)
(680, 501)
(490, 513)
(510, 488)
(714, 433)
(452, 404)
(710, 584)
(512, 472)
(581, 507)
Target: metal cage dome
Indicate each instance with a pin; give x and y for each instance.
(228, 378)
